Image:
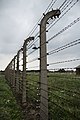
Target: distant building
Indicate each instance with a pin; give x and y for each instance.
(78, 70)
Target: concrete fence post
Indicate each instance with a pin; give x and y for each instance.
(24, 93)
(14, 72)
(24, 75)
(43, 65)
(11, 71)
(17, 74)
(10, 74)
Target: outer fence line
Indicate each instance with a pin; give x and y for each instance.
(12, 71)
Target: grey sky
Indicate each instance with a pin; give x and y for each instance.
(17, 17)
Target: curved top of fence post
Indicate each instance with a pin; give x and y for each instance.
(53, 13)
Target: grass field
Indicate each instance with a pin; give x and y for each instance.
(9, 110)
(64, 95)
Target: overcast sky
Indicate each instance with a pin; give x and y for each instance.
(17, 17)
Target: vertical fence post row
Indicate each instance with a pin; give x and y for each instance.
(24, 97)
(43, 65)
(14, 73)
(17, 76)
(10, 72)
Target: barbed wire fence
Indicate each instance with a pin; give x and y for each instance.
(42, 75)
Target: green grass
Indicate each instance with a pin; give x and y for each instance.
(32, 86)
(64, 95)
(9, 110)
